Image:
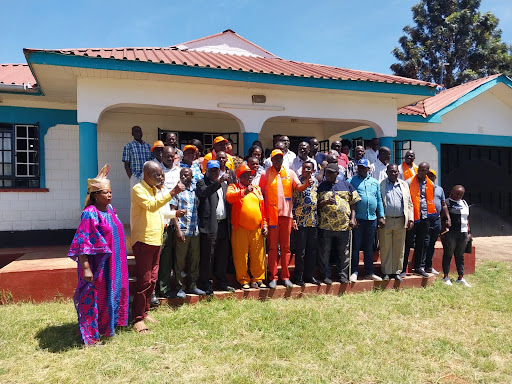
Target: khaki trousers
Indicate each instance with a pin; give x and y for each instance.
(392, 244)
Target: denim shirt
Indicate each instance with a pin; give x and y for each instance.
(370, 207)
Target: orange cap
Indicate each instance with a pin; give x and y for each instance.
(242, 169)
(276, 152)
(433, 172)
(218, 139)
(157, 144)
(190, 146)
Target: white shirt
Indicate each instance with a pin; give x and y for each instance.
(401, 173)
(380, 171)
(297, 164)
(172, 176)
(371, 155)
(166, 210)
(221, 205)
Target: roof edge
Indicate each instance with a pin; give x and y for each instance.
(59, 59)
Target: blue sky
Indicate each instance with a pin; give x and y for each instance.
(353, 34)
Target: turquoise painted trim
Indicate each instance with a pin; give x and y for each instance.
(49, 58)
(436, 117)
(46, 118)
(249, 138)
(419, 119)
(88, 142)
(439, 138)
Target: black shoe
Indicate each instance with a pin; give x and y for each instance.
(314, 281)
(154, 301)
(327, 281)
(421, 272)
(169, 295)
(344, 280)
(197, 291)
(397, 277)
(300, 283)
(227, 288)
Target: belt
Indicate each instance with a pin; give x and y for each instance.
(220, 221)
(395, 217)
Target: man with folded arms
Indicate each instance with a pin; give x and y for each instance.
(147, 227)
(336, 201)
(399, 218)
(423, 201)
(277, 184)
(214, 217)
(249, 227)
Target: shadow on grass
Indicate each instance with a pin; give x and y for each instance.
(59, 338)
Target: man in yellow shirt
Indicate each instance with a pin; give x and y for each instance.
(219, 145)
(147, 227)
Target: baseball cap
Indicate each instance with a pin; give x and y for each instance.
(242, 169)
(212, 164)
(190, 146)
(157, 144)
(364, 163)
(218, 139)
(433, 172)
(276, 152)
(332, 167)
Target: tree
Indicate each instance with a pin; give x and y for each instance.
(454, 35)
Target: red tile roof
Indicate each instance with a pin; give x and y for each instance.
(444, 98)
(16, 74)
(278, 66)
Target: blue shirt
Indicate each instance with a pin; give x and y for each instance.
(188, 201)
(370, 207)
(137, 154)
(394, 199)
(439, 197)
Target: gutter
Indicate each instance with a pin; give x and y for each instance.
(25, 88)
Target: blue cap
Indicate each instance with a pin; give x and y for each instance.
(213, 164)
(364, 163)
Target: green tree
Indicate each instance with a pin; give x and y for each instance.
(455, 35)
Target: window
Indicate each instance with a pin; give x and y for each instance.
(323, 146)
(19, 156)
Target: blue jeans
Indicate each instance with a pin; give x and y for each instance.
(364, 234)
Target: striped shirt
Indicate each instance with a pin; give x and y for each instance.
(137, 154)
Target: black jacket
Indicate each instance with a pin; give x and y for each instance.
(208, 199)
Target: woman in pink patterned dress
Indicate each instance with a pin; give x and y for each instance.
(99, 248)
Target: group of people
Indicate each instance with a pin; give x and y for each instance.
(194, 216)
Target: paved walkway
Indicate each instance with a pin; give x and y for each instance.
(497, 248)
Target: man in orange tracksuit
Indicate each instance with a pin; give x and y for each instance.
(277, 184)
(249, 227)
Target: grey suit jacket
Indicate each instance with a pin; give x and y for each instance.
(406, 195)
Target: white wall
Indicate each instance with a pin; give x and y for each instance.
(426, 152)
(59, 208)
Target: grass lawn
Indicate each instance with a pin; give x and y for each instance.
(439, 334)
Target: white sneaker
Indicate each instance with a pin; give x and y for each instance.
(373, 277)
(353, 278)
(463, 282)
(433, 271)
(447, 281)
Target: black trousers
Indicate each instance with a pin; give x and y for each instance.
(342, 241)
(214, 257)
(305, 253)
(416, 237)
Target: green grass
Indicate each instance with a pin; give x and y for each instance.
(435, 335)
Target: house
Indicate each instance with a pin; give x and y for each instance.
(67, 112)
(465, 134)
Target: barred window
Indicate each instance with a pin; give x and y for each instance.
(19, 156)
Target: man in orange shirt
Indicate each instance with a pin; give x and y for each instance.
(219, 144)
(277, 184)
(249, 228)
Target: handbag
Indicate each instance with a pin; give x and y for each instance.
(469, 246)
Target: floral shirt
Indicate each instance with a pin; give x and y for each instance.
(336, 217)
(305, 206)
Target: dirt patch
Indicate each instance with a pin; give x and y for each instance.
(498, 248)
